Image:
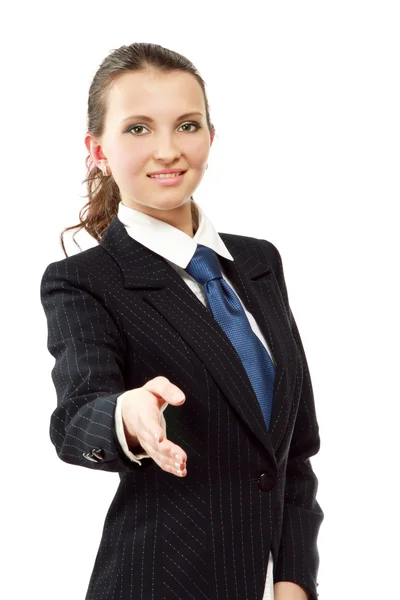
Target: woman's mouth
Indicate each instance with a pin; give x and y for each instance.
(167, 179)
(166, 175)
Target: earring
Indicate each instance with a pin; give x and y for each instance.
(104, 168)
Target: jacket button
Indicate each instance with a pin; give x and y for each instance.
(95, 455)
(98, 453)
(89, 456)
(266, 482)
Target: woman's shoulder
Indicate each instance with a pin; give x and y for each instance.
(265, 249)
(77, 267)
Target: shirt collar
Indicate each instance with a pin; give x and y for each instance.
(166, 240)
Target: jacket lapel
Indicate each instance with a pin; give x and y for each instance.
(165, 290)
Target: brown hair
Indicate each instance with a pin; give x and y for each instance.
(103, 192)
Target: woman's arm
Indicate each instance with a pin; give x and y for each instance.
(88, 349)
(298, 558)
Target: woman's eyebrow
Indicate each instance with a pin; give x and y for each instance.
(150, 120)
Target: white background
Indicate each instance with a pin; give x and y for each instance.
(305, 98)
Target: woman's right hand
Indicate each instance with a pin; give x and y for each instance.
(141, 417)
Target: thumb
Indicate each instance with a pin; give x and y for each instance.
(176, 400)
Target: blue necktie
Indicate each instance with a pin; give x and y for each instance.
(228, 312)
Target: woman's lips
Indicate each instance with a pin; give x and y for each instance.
(167, 181)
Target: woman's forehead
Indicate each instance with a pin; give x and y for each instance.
(159, 97)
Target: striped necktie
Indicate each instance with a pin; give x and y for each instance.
(227, 310)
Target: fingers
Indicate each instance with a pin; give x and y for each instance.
(170, 458)
(166, 454)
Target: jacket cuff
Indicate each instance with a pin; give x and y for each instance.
(298, 558)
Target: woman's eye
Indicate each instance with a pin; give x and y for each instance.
(191, 125)
(183, 125)
(135, 127)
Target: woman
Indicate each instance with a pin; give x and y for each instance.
(178, 362)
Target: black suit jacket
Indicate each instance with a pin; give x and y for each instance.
(118, 315)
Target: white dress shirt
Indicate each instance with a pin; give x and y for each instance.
(177, 248)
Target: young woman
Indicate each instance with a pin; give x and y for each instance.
(178, 362)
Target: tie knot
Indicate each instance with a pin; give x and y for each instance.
(204, 265)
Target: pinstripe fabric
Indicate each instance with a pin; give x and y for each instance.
(118, 315)
(149, 230)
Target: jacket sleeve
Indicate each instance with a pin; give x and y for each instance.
(298, 558)
(88, 348)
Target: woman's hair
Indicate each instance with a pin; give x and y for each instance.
(103, 192)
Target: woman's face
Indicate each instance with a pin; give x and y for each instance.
(135, 146)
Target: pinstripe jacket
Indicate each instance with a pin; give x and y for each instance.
(118, 315)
